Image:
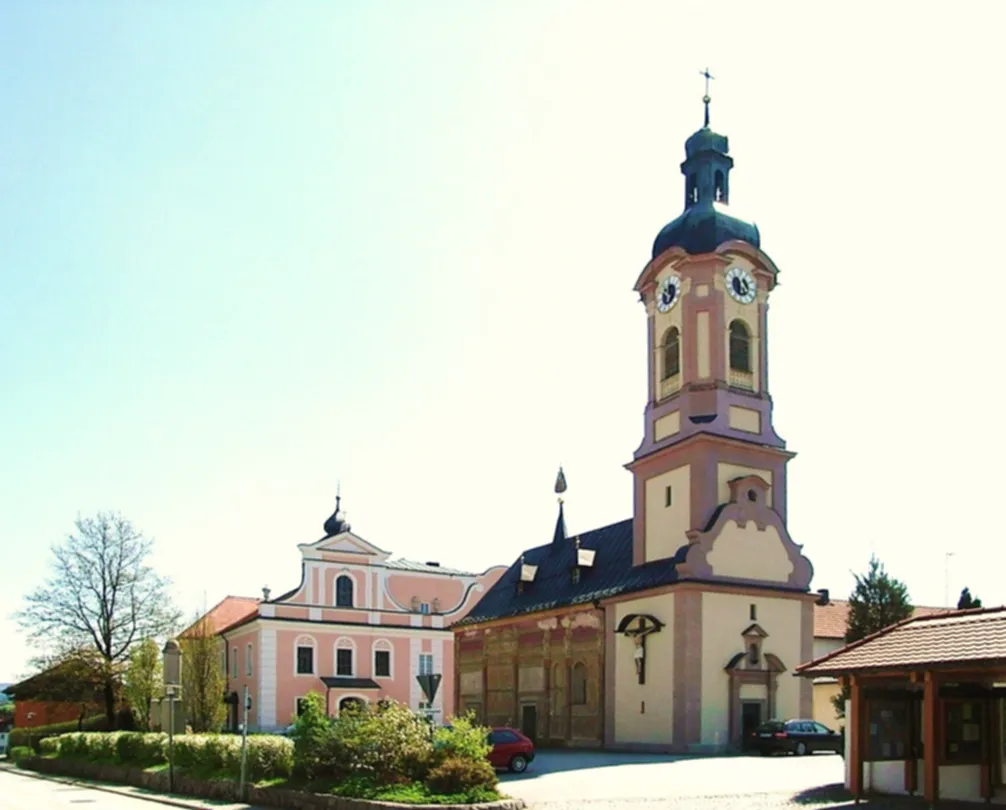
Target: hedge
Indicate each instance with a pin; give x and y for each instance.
(269, 756)
(33, 735)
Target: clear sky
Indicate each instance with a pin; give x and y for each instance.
(250, 249)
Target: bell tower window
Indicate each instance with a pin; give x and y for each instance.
(720, 193)
(672, 353)
(691, 190)
(740, 347)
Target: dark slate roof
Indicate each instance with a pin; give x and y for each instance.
(703, 228)
(553, 586)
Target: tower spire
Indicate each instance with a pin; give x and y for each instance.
(559, 535)
(705, 98)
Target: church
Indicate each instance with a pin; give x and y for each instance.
(678, 629)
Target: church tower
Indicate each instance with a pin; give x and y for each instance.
(708, 437)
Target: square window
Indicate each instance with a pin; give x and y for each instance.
(344, 662)
(382, 664)
(424, 607)
(305, 660)
(668, 497)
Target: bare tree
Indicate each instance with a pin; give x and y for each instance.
(203, 679)
(101, 595)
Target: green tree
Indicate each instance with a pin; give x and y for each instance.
(101, 595)
(203, 680)
(968, 601)
(878, 601)
(142, 683)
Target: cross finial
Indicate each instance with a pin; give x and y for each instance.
(705, 98)
(338, 495)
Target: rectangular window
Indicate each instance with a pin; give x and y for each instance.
(754, 613)
(963, 731)
(424, 607)
(668, 497)
(344, 662)
(234, 662)
(305, 660)
(248, 660)
(425, 663)
(382, 664)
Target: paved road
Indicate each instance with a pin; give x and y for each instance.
(19, 792)
(564, 780)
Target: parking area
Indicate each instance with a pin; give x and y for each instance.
(560, 779)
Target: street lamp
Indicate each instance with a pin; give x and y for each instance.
(172, 690)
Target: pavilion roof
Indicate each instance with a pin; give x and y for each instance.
(975, 636)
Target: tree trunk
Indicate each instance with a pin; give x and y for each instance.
(110, 704)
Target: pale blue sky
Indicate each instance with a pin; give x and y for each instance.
(248, 249)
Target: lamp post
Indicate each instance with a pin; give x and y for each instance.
(172, 690)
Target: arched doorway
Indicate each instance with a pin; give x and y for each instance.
(350, 702)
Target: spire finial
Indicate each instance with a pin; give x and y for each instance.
(705, 98)
(338, 495)
(560, 483)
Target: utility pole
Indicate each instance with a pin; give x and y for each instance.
(946, 578)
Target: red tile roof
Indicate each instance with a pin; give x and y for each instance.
(228, 611)
(830, 620)
(959, 636)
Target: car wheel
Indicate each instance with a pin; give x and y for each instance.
(518, 763)
(801, 749)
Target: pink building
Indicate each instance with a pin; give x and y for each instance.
(360, 626)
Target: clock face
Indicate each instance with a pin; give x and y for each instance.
(741, 285)
(668, 293)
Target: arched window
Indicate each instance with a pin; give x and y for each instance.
(672, 352)
(579, 683)
(740, 347)
(383, 664)
(753, 654)
(344, 591)
(304, 657)
(721, 192)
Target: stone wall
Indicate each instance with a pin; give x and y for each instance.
(521, 674)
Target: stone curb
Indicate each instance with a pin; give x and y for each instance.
(157, 798)
(217, 793)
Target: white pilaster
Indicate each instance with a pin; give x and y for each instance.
(267, 687)
(415, 693)
(438, 667)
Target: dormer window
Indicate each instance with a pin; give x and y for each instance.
(424, 607)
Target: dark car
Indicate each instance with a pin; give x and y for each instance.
(795, 737)
(511, 749)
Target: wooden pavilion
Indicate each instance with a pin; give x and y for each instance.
(927, 707)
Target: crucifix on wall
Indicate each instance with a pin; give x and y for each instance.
(637, 626)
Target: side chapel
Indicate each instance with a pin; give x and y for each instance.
(679, 628)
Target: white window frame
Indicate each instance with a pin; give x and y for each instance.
(249, 658)
(344, 643)
(305, 641)
(419, 665)
(335, 590)
(383, 645)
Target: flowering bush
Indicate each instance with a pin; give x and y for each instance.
(49, 746)
(461, 776)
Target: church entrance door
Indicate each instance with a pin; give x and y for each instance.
(751, 711)
(529, 722)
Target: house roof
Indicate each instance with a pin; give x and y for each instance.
(412, 565)
(229, 610)
(950, 637)
(831, 620)
(553, 585)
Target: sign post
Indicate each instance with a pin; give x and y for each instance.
(244, 745)
(429, 684)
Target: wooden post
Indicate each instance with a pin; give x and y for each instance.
(855, 730)
(986, 767)
(930, 710)
(912, 760)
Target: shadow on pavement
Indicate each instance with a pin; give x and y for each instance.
(836, 797)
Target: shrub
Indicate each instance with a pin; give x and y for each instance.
(31, 736)
(49, 746)
(142, 750)
(388, 743)
(269, 757)
(312, 737)
(455, 775)
(19, 753)
(463, 739)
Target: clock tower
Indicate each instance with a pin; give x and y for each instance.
(708, 438)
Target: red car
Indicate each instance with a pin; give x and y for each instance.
(511, 749)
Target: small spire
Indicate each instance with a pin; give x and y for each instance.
(705, 98)
(559, 535)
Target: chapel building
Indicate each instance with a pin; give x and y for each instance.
(677, 629)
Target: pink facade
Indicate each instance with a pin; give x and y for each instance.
(359, 626)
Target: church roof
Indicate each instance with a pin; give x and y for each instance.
(611, 574)
(703, 228)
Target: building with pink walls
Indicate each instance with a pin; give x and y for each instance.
(359, 626)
